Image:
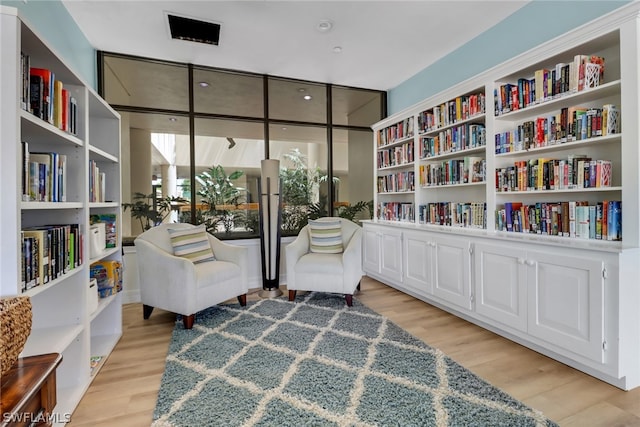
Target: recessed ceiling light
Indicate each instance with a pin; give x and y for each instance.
(324, 26)
(204, 84)
(284, 128)
(173, 119)
(337, 49)
(307, 97)
(301, 90)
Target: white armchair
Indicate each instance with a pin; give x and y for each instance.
(326, 272)
(176, 284)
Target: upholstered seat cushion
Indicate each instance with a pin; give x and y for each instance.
(208, 273)
(319, 263)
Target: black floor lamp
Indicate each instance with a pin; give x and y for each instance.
(270, 221)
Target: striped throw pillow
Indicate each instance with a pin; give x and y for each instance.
(191, 243)
(326, 236)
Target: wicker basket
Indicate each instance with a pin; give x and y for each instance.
(15, 327)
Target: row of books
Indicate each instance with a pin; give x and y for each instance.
(396, 211)
(453, 140)
(454, 214)
(48, 252)
(397, 182)
(396, 132)
(455, 171)
(97, 183)
(568, 125)
(577, 219)
(576, 172)
(585, 71)
(44, 176)
(46, 97)
(395, 156)
(448, 113)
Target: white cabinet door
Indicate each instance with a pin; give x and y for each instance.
(452, 268)
(566, 302)
(391, 254)
(418, 262)
(501, 284)
(371, 249)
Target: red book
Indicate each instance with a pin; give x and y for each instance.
(47, 79)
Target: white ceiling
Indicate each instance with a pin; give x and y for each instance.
(383, 42)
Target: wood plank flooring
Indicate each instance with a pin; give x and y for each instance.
(124, 391)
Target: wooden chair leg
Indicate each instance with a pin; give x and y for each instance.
(292, 295)
(187, 321)
(242, 299)
(349, 299)
(146, 311)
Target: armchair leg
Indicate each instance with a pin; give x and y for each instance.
(349, 299)
(242, 299)
(146, 311)
(292, 295)
(187, 321)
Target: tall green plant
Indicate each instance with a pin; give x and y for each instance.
(142, 208)
(300, 190)
(218, 192)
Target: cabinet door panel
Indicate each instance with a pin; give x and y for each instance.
(501, 284)
(418, 270)
(566, 303)
(391, 265)
(371, 250)
(453, 263)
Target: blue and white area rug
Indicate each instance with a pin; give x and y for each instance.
(317, 362)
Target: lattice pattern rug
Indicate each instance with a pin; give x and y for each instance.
(316, 362)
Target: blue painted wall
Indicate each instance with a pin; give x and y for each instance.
(533, 24)
(51, 21)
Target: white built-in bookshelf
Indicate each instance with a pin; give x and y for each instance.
(58, 169)
(522, 213)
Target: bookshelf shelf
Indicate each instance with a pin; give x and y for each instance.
(461, 153)
(531, 277)
(46, 159)
(477, 118)
(567, 190)
(464, 184)
(598, 140)
(585, 96)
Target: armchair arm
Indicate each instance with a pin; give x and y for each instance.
(166, 281)
(352, 259)
(232, 253)
(293, 252)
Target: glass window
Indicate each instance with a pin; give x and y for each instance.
(228, 93)
(302, 151)
(355, 107)
(297, 101)
(227, 168)
(352, 172)
(146, 83)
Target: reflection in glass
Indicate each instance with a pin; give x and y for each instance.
(137, 82)
(352, 171)
(228, 93)
(297, 101)
(355, 107)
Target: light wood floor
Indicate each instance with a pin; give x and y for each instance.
(124, 391)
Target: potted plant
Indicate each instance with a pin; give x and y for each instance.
(149, 214)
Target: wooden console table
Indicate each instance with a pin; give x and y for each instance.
(28, 393)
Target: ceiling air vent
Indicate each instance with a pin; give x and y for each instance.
(193, 30)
